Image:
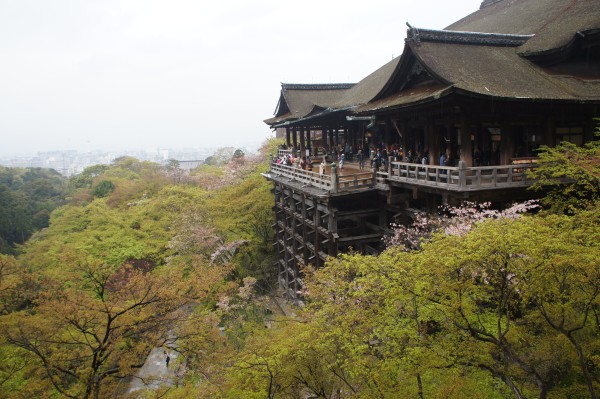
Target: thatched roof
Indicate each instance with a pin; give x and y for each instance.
(554, 23)
(528, 50)
(296, 101)
(299, 101)
(497, 71)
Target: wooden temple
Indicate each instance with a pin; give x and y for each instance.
(485, 93)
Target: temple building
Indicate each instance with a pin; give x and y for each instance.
(458, 116)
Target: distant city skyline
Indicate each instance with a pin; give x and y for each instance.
(253, 146)
(118, 74)
(71, 162)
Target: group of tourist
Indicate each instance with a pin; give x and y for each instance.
(378, 156)
(304, 163)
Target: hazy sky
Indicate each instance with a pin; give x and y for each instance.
(145, 74)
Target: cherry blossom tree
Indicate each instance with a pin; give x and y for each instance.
(451, 220)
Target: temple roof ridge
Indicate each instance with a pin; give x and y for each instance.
(486, 3)
(464, 37)
(316, 86)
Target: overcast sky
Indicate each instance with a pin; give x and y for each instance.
(148, 74)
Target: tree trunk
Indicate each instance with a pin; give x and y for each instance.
(420, 387)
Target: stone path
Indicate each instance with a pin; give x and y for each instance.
(154, 374)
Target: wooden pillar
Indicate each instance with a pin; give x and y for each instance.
(295, 138)
(337, 136)
(433, 141)
(507, 145)
(287, 258)
(287, 136)
(334, 177)
(350, 135)
(332, 232)
(304, 231)
(330, 129)
(404, 142)
(317, 223)
(308, 141)
(362, 138)
(466, 145)
(549, 138)
(302, 141)
(386, 138)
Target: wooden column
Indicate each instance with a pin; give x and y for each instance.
(295, 138)
(386, 138)
(317, 223)
(466, 145)
(330, 143)
(549, 138)
(332, 232)
(293, 229)
(305, 253)
(287, 136)
(302, 141)
(308, 141)
(507, 144)
(404, 142)
(286, 255)
(433, 141)
(361, 136)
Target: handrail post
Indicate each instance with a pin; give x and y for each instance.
(462, 174)
(374, 177)
(334, 178)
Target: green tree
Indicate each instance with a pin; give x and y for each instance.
(563, 283)
(103, 188)
(86, 178)
(88, 331)
(570, 175)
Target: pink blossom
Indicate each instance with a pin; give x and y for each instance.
(455, 221)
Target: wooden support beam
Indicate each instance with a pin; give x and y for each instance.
(362, 239)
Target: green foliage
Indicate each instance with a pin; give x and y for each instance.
(103, 188)
(506, 310)
(86, 178)
(571, 174)
(141, 234)
(502, 311)
(238, 154)
(27, 196)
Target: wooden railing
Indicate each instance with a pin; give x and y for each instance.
(334, 183)
(355, 181)
(458, 178)
(303, 176)
(461, 178)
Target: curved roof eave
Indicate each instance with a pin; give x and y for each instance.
(402, 69)
(315, 117)
(405, 101)
(474, 94)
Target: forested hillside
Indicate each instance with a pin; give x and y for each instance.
(27, 197)
(138, 251)
(481, 304)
